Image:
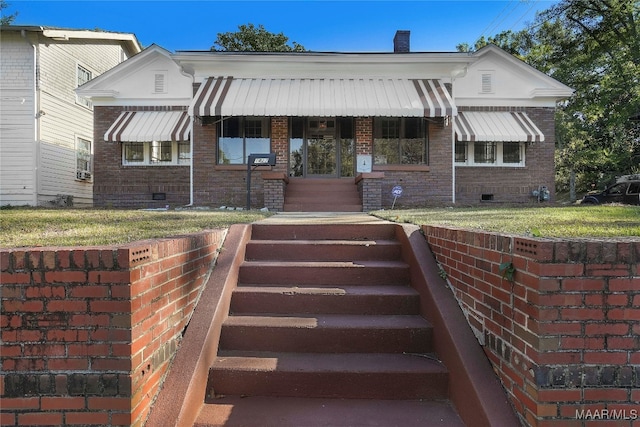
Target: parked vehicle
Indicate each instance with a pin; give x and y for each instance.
(626, 190)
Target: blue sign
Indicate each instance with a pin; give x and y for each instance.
(396, 191)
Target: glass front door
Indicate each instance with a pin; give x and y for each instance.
(321, 147)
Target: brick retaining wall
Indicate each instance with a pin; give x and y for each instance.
(563, 335)
(88, 333)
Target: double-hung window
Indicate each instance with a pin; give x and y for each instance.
(400, 141)
(83, 75)
(240, 136)
(83, 159)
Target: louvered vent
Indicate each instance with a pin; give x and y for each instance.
(487, 83)
(160, 83)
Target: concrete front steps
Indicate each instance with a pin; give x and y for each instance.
(322, 195)
(324, 330)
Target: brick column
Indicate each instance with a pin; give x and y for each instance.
(280, 142)
(275, 184)
(370, 189)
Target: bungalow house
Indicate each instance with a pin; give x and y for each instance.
(46, 130)
(404, 128)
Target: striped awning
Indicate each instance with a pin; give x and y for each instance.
(330, 97)
(147, 126)
(496, 126)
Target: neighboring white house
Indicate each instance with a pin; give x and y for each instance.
(46, 130)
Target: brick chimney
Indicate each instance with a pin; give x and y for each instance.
(401, 41)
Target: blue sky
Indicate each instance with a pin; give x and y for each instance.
(328, 26)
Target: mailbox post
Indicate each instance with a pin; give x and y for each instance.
(255, 160)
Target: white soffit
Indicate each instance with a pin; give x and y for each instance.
(325, 97)
(496, 126)
(147, 126)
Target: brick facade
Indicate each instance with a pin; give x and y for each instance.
(116, 185)
(563, 334)
(513, 184)
(225, 185)
(88, 333)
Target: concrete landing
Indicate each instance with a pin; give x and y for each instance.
(322, 218)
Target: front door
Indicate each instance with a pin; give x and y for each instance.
(321, 147)
(321, 150)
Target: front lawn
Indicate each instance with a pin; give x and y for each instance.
(88, 227)
(20, 227)
(572, 221)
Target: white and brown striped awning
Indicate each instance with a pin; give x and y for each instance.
(147, 126)
(496, 126)
(323, 97)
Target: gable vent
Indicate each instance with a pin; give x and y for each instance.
(487, 83)
(159, 86)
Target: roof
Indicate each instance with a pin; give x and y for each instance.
(58, 33)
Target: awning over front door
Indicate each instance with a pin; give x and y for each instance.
(330, 97)
(147, 126)
(496, 126)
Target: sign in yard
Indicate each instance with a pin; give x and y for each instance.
(396, 192)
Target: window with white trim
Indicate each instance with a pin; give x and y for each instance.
(156, 153)
(83, 75)
(83, 159)
(490, 153)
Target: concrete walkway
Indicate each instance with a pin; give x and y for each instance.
(322, 218)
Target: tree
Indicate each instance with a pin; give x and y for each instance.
(252, 39)
(592, 46)
(8, 19)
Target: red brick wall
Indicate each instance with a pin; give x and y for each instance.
(509, 184)
(88, 333)
(132, 186)
(563, 336)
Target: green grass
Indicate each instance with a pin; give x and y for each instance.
(573, 221)
(25, 227)
(21, 227)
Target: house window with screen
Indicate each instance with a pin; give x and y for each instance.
(83, 159)
(240, 136)
(400, 141)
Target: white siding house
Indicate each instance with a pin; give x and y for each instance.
(46, 130)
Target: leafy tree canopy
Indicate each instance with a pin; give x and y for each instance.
(6, 19)
(250, 38)
(592, 46)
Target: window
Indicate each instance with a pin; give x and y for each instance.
(240, 136)
(399, 140)
(83, 76)
(489, 153)
(83, 159)
(484, 152)
(184, 152)
(461, 151)
(156, 153)
(510, 152)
